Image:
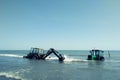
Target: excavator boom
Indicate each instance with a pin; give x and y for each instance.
(51, 50)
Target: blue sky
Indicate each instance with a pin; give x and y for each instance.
(60, 24)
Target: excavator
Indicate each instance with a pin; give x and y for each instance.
(38, 54)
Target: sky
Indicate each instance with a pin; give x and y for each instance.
(60, 24)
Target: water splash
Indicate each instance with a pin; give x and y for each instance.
(70, 59)
(67, 59)
(51, 58)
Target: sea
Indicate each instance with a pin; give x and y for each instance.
(75, 66)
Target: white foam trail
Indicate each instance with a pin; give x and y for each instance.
(17, 74)
(74, 60)
(11, 55)
(52, 58)
(10, 75)
(67, 59)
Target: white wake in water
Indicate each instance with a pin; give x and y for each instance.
(11, 55)
(17, 75)
(10, 75)
(67, 59)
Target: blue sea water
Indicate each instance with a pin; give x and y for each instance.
(75, 67)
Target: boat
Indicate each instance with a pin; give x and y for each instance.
(96, 54)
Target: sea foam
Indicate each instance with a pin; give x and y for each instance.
(11, 55)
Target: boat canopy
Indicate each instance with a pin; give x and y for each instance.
(96, 52)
